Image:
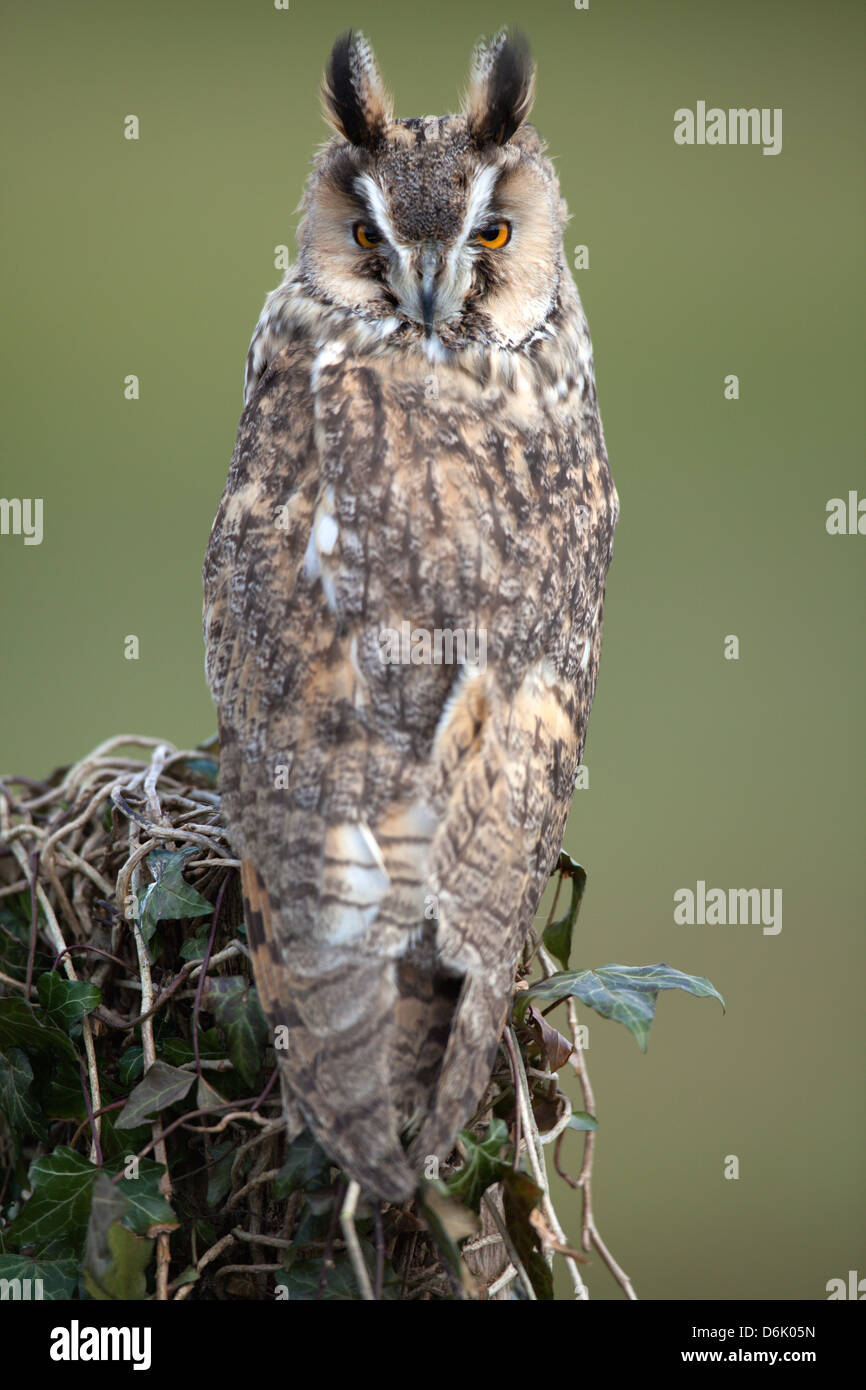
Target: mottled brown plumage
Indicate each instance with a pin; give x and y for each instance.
(421, 444)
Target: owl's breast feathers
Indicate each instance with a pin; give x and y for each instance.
(398, 817)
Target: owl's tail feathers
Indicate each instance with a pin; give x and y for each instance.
(476, 1028)
(423, 1016)
(329, 1016)
(339, 1085)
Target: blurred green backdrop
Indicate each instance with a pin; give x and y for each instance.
(153, 257)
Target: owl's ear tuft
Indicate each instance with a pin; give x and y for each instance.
(355, 100)
(501, 87)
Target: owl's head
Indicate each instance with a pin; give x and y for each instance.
(442, 230)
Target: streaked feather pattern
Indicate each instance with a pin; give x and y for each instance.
(397, 822)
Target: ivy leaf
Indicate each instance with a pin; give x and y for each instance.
(15, 913)
(108, 1204)
(205, 1232)
(625, 993)
(300, 1283)
(16, 1104)
(195, 946)
(482, 1166)
(144, 1204)
(65, 1002)
(59, 1277)
(177, 1051)
(222, 1156)
(59, 1206)
(520, 1197)
(118, 1144)
(115, 1258)
(206, 768)
(131, 1064)
(315, 1218)
(161, 1087)
(206, 1097)
(307, 1167)
(58, 1084)
(21, 1026)
(582, 1120)
(169, 898)
(554, 1046)
(448, 1222)
(14, 937)
(558, 936)
(236, 1008)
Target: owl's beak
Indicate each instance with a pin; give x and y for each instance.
(429, 271)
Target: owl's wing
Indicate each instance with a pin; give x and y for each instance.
(397, 819)
(302, 778)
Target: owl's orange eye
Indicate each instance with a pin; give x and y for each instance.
(494, 236)
(366, 235)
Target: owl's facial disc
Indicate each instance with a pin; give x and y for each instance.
(439, 230)
(429, 272)
(429, 283)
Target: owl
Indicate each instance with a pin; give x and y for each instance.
(404, 588)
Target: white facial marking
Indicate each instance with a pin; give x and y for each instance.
(476, 207)
(434, 349)
(368, 187)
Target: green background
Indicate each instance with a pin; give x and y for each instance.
(154, 257)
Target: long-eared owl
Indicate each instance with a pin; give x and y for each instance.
(403, 606)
